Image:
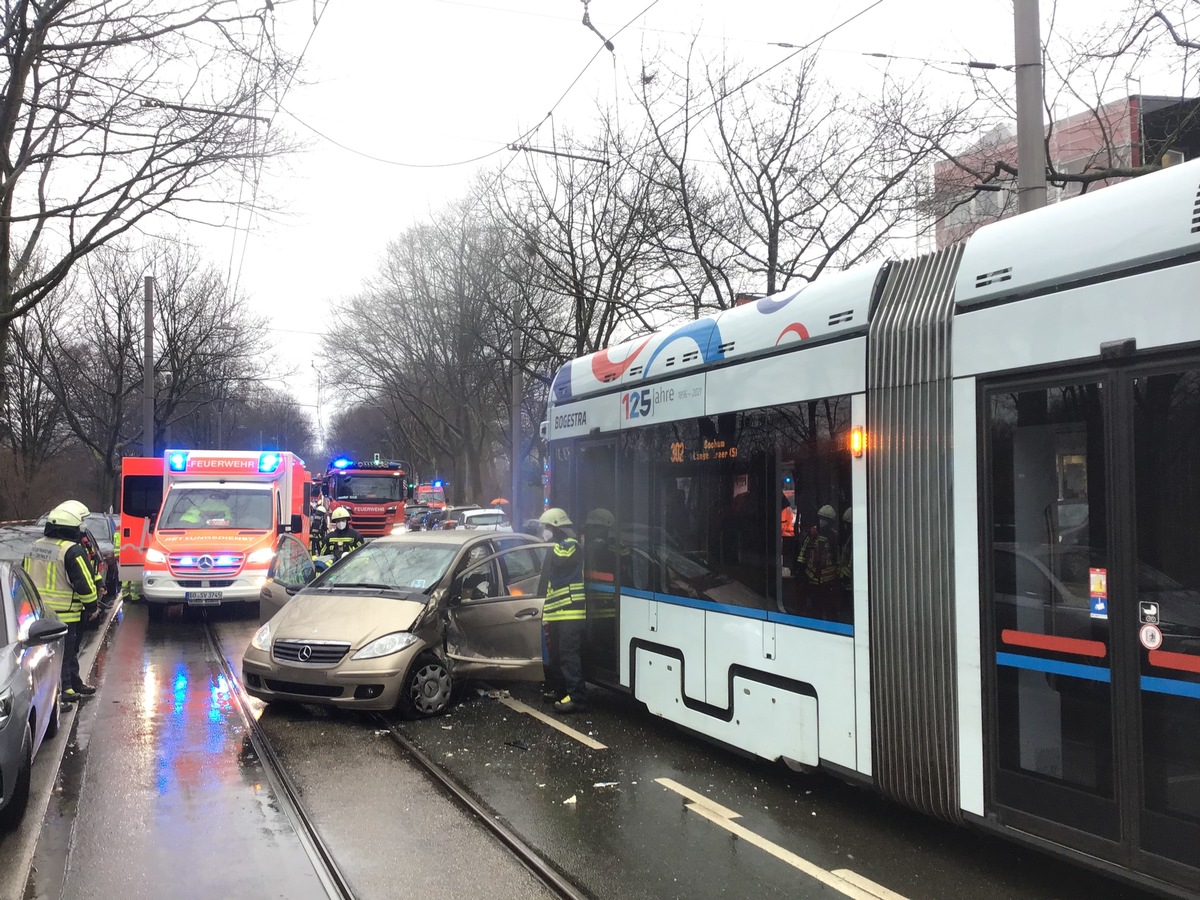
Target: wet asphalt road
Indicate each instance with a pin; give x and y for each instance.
(163, 791)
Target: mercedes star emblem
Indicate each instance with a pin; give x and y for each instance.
(305, 653)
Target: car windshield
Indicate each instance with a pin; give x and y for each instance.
(197, 507)
(368, 487)
(402, 566)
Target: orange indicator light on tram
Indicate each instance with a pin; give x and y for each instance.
(858, 441)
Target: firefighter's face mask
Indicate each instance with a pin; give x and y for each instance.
(341, 525)
(547, 534)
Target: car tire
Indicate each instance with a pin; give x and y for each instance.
(11, 815)
(427, 688)
(156, 611)
(55, 717)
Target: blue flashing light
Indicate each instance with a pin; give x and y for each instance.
(177, 461)
(225, 561)
(341, 463)
(187, 560)
(268, 462)
(437, 484)
(787, 479)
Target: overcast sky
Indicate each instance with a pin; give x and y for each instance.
(399, 91)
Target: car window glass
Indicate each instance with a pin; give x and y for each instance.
(522, 563)
(288, 561)
(99, 525)
(26, 604)
(481, 583)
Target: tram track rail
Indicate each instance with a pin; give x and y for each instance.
(336, 886)
(547, 874)
(332, 878)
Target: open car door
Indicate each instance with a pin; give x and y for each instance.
(291, 569)
(494, 616)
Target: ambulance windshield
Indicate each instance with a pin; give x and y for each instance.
(204, 507)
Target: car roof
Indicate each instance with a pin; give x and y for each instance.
(445, 537)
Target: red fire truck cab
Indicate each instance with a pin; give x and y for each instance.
(374, 492)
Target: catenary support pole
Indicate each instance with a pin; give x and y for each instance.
(1031, 136)
(514, 498)
(148, 374)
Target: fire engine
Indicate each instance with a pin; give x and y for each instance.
(374, 492)
(212, 535)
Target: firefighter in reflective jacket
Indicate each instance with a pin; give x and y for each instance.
(564, 614)
(342, 537)
(818, 561)
(58, 565)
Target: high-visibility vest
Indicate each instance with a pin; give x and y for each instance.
(46, 563)
(565, 598)
(817, 556)
(339, 543)
(787, 522)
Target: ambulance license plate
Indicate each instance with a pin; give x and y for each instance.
(203, 598)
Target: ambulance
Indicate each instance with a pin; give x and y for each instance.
(212, 538)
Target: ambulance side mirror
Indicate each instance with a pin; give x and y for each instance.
(297, 525)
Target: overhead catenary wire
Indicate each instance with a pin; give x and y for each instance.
(317, 16)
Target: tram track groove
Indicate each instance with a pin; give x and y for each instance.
(332, 879)
(542, 870)
(334, 882)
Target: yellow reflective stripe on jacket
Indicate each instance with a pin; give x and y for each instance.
(46, 564)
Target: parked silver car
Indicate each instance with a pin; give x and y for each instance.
(30, 675)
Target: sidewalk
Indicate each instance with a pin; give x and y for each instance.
(17, 849)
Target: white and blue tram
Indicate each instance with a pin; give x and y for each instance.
(1000, 622)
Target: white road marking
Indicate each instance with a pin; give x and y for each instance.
(842, 880)
(698, 798)
(520, 707)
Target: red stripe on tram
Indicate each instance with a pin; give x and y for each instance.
(1074, 646)
(1184, 662)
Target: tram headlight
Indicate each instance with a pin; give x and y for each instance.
(387, 645)
(262, 638)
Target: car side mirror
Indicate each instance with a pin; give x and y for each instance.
(297, 523)
(43, 631)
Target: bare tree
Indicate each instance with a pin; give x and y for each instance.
(1098, 130)
(32, 431)
(205, 345)
(805, 177)
(421, 342)
(588, 221)
(111, 112)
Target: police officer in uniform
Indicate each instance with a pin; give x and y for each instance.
(58, 565)
(564, 614)
(342, 537)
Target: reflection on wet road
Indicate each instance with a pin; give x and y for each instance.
(170, 795)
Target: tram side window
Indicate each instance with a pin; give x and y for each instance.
(813, 473)
(636, 511)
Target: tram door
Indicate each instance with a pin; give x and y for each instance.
(1092, 589)
(595, 502)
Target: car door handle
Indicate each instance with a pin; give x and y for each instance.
(532, 613)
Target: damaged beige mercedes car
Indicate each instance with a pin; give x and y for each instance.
(398, 623)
